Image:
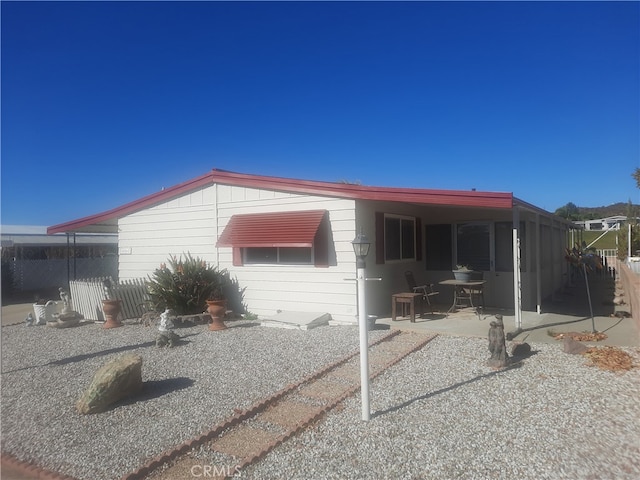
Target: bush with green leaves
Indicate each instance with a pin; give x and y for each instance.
(184, 286)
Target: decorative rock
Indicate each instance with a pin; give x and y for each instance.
(573, 347)
(115, 380)
(521, 350)
(167, 339)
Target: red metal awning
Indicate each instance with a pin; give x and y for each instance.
(273, 229)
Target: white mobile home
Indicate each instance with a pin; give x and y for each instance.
(289, 241)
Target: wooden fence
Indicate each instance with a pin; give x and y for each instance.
(87, 295)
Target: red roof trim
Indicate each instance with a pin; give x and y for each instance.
(272, 229)
(390, 194)
(461, 198)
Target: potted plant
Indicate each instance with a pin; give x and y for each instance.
(186, 285)
(463, 273)
(111, 307)
(217, 308)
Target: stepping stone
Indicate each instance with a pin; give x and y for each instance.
(324, 390)
(289, 414)
(244, 442)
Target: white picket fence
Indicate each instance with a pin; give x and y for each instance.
(87, 295)
(134, 296)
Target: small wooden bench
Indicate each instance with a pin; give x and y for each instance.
(404, 299)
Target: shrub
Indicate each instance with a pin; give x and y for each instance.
(184, 286)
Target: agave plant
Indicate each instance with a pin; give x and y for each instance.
(185, 285)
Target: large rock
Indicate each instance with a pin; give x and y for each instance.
(573, 347)
(115, 380)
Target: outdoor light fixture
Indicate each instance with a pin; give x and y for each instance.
(361, 246)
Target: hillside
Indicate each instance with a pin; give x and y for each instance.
(619, 208)
(573, 212)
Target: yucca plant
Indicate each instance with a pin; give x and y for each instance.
(184, 285)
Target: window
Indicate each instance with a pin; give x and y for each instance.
(438, 243)
(504, 246)
(281, 255)
(474, 246)
(399, 238)
(282, 238)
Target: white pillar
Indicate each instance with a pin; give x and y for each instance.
(517, 278)
(538, 267)
(364, 346)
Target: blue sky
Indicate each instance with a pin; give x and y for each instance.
(103, 103)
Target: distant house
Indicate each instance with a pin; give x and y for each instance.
(602, 224)
(41, 261)
(288, 241)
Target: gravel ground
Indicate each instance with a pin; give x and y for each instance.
(440, 413)
(188, 389)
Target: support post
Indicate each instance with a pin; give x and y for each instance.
(539, 267)
(364, 346)
(517, 281)
(68, 261)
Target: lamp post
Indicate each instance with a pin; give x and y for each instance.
(361, 246)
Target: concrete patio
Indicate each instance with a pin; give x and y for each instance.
(567, 312)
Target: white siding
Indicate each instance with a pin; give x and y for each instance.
(193, 222)
(296, 288)
(183, 224)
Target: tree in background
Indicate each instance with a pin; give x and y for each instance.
(569, 211)
(636, 175)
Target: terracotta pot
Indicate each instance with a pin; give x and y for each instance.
(111, 309)
(217, 310)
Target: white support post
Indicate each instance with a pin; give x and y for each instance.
(539, 267)
(517, 282)
(364, 346)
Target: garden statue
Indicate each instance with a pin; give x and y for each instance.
(166, 337)
(67, 317)
(66, 302)
(497, 346)
(29, 321)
